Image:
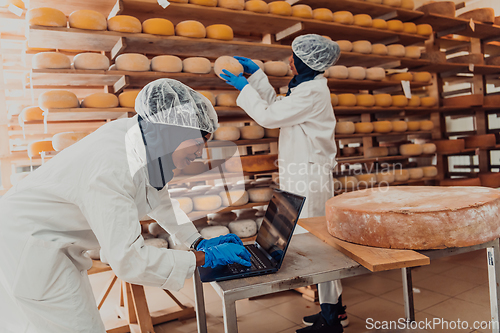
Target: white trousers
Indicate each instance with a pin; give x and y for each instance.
(329, 292)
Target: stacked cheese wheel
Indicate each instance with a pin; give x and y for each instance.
(366, 47)
(251, 132)
(381, 100)
(382, 126)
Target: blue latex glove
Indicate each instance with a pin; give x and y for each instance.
(208, 243)
(249, 66)
(239, 82)
(227, 253)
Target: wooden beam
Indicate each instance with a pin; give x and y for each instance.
(121, 84)
(297, 27)
(119, 47)
(117, 9)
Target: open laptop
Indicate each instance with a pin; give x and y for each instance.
(272, 241)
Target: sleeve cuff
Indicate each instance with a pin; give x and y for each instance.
(184, 266)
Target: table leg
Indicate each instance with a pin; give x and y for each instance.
(229, 311)
(494, 279)
(408, 294)
(201, 317)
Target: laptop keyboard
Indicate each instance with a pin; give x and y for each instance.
(254, 259)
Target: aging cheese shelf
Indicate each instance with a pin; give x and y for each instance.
(363, 135)
(214, 174)
(408, 182)
(85, 114)
(361, 159)
(470, 151)
(195, 215)
(220, 144)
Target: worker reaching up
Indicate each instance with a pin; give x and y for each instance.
(306, 143)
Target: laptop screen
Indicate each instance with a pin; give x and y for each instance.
(279, 222)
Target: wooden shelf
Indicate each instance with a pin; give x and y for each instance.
(212, 175)
(85, 114)
(352, 160)
(412, 181)
(470, 151)
(195, 215)
(363, 135)
(342, 110)
(216, 143)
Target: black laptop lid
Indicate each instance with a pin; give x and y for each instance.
(279, 222)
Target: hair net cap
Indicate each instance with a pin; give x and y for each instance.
(316, 51)
(168, 101)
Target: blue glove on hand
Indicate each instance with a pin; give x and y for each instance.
(208, 243)
(227, 253)
(249, 66)
(239, 82)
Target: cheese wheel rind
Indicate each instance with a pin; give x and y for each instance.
(167, 64)
(89, 60)
(158, 26)
(228, 63)
(190, 28)
(124, 23)
(50, 60)
(87, 19)
(45, 16)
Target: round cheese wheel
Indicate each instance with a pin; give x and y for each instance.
(393, 150)
(338, 72)
(127, 98)
(47, 17)
(271, 132)
(227, 133)
(334, 99)
(158, 26)
(375, 74)
(276, 68)
(393, 3)
(363, 127)
(401, 175)
(323, 14)
(207, 202)
(399, 101)
(243, 228)
(365, 100)
(396, 50)
(228, 63)
(426, 125)
(363, 20)
(234, 197)
(251, 163)
(191, 28)
(356, 73)
(379, 49)
(399, 126)
(232, 4)
(257, 6)
(490, 179)
(348, 151)
(208, 3)
(383, 126)
(383, 100)
(124, 23)
(379, 24)
(209, 95)
(413, 52)
(167, 64)
(87, 19)
(66, 139)
(31, 113)
(57, 99)
(424, 29)
(366, 180)
(347, 100)
(386, 177)
(409, 28)
(345, 45)
(428, 148)
(252, 132)
(186, 204)
(422, 77)
(410, 149)
(133, 62)
(220, 31)
(414, 101)
(407, 4)
(196, 65)
(362, 46)
(430, 171)
(100, 100)
(449, 146)
(395, 25)
(343, 17)
(416, 173)
(428, 101)
(50, 60)
(282, 8)
(303, 11)
(402, 77)
(227, 99)
(37, 147)
(345, 127)
(89, 60)
(376, 152)
(260, 194)
(413, 125)
(215, 231)
(480, 141)
(348, 182)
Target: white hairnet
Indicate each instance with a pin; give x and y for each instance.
(316, 51)
(168, 101)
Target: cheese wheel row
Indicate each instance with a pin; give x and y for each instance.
(381, 100)
(64, 99)
(383, 126)
(252, 132)
(394, 50)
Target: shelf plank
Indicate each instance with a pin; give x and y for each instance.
(352, 160)
(359, 187)
(362, 135)
(342, 110)
(195, 215)
(216, 143)
(83, 114)
(214, 174)
(67, 7)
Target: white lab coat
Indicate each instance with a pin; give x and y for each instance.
(306, 143)
(90, 195)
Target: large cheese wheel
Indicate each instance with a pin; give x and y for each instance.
(402, 77)
(426, 125)
(485, 15)
(449, 146)
(87, 19)
(367, 180)
(375, 74)
(385, 177)
(393, 3)
(413, 52)
(208, 3)
(401, 175)
(424, 29)
(158, 26)
(227, 133)
(338, 72)
(382, 126)
(66, 139)
(50, 60)
(414, 101)
(252, 132)
(422, 77)
(186, 204)
(428, 101)
(413, 125)
(124, 23)
(356, 73)
(209, 95)
(428, 148)
(409, 28)
(365, 100)
(430, 171)
(166, 63)
(480, 141)
(251, 163)
(363, 127)
(260, 194)
(215, 231)
(410, 149)
(363, 20)
(280, 8)
(190, 28)
(416, 173)
(399, 126)
(196, 65)
(399, 101)
(100, 100)
(383, 100)
(243, 228)
(379, 49)
(379, 24)
(343, 17)
(228, 63)
(396, 50)
(257, 6)
(48, 17)
(395, 25)
(95, 61)
(207, 202)
(407, 4)
(362, 46)
(276, 68)
(345, 45)
(344, 127)
(37, 147)
(234, 197)
(227, 99)
(334, 99)
(271, 132)
(127, 98)
(348, 182)
(31, 113)
(303, 11)
(133, 62)
(232, 4)
(347, 100)
(57, 99)
(220, 31)
(323, 14)
(376, 152)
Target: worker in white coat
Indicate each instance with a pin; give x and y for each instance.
(306, 143)
(92, 195)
